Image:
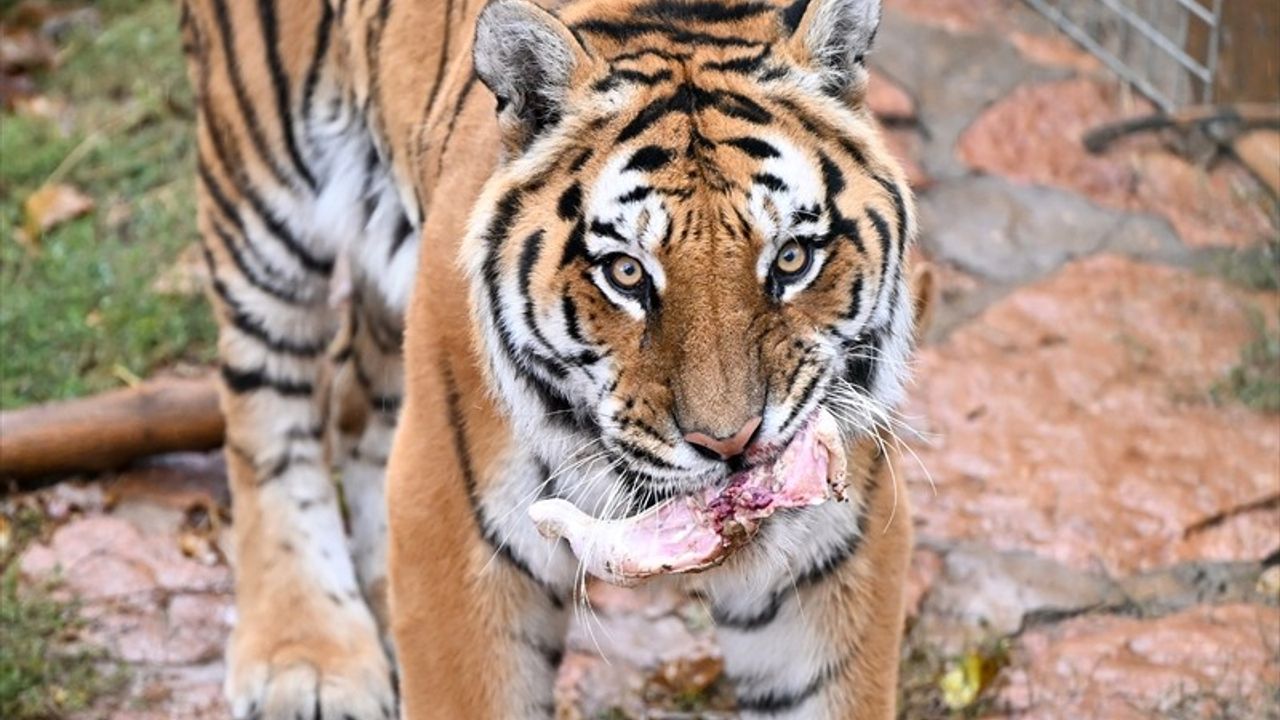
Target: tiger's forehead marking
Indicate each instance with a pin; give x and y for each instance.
(786, 190)
(625, 214)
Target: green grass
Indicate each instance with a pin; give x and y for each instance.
(1256, 380)
(78, 313)
(44, 672)
(1254, 268)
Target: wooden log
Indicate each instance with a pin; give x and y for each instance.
(1260, 152)
(107, 431)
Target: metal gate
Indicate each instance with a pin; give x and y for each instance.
(1168, 49)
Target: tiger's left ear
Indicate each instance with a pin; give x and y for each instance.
(833, 37)
(527, 57)
(924, 296)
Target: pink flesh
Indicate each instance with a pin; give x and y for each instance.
(692, 533)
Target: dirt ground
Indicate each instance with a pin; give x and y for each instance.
(1096, 500)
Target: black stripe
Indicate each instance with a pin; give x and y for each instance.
(855, 299)
(463, 94)
(702, 12)
(650, 52)
(581, 160)
(611, 80)
(773, 701)
(793, 14)
(642, 453)
(605, 229)
(861, 372)
(253, 327)
(401, 235)
(234, 168)
(558, 407)
(805, 394)
(529, 254)
(832, 176)
(280, 86)
(755, 147)
(771, 181)
(741, 65)
(572, 326)
(649, 158)
(441, 63)
(317, 60)
(245, 381)
(462, 451)
(251, 275)
(285, 294)
(650, 114)
(570, 203)
(231, 58)
(636, 195)
(740, 106)
(690, 99)
(823, 129)
(886, 242)
(628, 30)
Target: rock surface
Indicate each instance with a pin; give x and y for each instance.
(1034, 135)
(1074, 418)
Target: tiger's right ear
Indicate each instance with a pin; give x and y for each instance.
(833, 37)
(527, 57)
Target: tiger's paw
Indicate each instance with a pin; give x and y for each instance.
(312, 675)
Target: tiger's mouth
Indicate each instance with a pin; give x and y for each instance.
(700, 530)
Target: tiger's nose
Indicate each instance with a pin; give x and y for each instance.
(724, 448)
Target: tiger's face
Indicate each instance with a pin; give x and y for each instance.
(696, 238)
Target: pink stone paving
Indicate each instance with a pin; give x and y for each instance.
(1075, 418)
(1034, 136)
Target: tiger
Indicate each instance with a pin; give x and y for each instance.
(465, 257)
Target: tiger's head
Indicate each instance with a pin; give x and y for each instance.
(695, 237)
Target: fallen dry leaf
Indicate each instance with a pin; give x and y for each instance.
(24, 51)
(198, 547)
(51, 206)
(966, 679)
(688, 675)
(14, 89)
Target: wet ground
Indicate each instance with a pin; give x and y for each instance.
(1099, 524)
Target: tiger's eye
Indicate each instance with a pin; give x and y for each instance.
(792, 259)
(626, 273)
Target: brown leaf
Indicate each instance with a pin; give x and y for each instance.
(198, 547)
(51, 206)
(14, 89)
(688, 675)
(25, 51)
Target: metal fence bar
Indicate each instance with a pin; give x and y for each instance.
(1159, 39)
(1077, 33)
(1145, 42)
(1199, 11)
(1215, 37)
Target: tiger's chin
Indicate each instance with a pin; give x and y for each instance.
(698, 530)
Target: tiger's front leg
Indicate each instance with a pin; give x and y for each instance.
(305, 643)
(810, 622)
